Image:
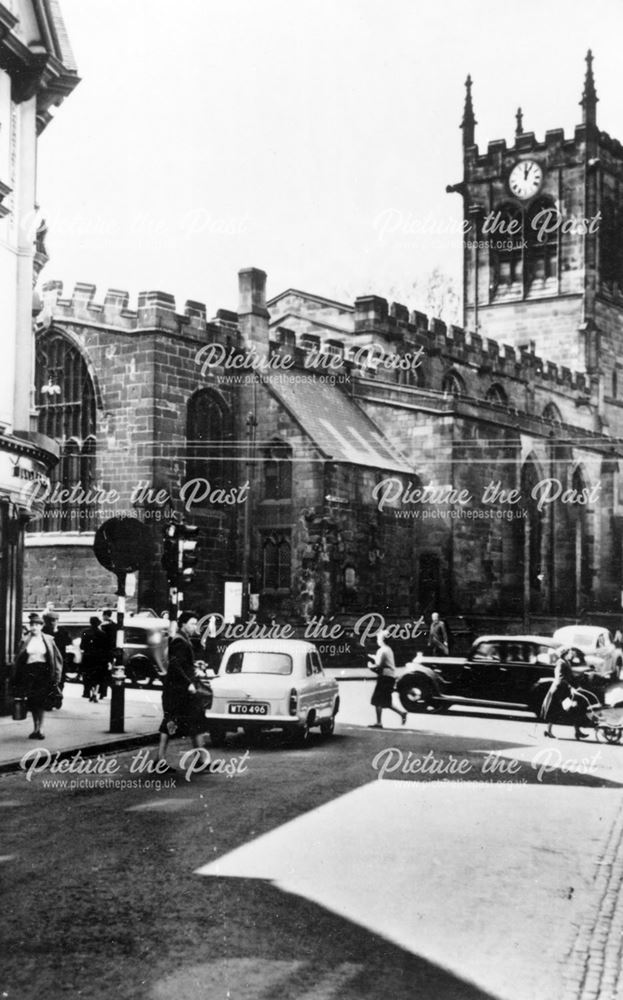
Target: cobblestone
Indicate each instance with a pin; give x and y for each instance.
(593, 963)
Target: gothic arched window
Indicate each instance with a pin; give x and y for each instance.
(276, 562)
(506, 255)
(208, 429)
(65, 398)
(277, 472)
(496, 394)
(552, 413)
(611, 246)
(453, 384)
(541, 236)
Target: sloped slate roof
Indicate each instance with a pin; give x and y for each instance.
(334, 422)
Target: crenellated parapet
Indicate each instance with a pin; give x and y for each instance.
(154, 310)
(400, 329)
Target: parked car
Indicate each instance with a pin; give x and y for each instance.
(267, 684)
(596, 644)
(500, 671)
(144, 651)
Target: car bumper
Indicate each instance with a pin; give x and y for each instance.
(274, 721)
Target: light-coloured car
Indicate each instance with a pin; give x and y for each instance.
(596, 644)
(266, 684)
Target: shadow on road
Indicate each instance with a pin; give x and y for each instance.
(293, 949)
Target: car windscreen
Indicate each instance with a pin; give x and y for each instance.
(259, 662)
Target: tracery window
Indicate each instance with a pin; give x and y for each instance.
(278, 472)
(66, 411)
(276, 562)
(208, 431)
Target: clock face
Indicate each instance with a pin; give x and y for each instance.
(525, 179)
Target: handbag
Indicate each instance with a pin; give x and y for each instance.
(54, 699)
(568, 704)
(19, 709)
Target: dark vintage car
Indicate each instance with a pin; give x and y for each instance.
(512, 672)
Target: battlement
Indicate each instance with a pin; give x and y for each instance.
(391, 328)
(154, 309)
(402, 330)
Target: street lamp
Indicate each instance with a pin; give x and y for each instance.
(251, 425)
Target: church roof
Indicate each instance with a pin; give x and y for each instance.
(334, 422)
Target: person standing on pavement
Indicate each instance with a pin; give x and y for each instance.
(561, 688)
(94, 663)
(60, 636)
(384, 666)
(182, 714)
(109, 631)
(38, 673)
(438, 636)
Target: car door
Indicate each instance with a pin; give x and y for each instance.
(481, 677)
(520, 671)
(324, 687)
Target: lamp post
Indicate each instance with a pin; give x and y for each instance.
(251, 426)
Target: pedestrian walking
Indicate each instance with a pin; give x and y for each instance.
(38, 673)
(182, 709)
(562, 690)
(438, 636)
(94, 658)
(384, 666)
(109, 631)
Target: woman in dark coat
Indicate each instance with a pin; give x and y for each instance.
(38, 673)
(562, 687)
(182, 711)
(384, 667)
(94, 667)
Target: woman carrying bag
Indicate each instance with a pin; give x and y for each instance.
(560, 697)
(38, 674)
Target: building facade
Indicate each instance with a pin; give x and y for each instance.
(354, 457)
(37, 72)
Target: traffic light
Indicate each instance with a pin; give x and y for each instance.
(179, 555)
(170, 557)
(188, 551)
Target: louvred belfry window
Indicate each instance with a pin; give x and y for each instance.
(66, 411)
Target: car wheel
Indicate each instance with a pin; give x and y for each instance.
(609, 734)
(416, 693)
(300, 735)
(327, 726)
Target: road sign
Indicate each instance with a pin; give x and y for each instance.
(123, 545)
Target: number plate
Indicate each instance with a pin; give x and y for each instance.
(248, 708)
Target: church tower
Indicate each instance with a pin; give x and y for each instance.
(543, 255)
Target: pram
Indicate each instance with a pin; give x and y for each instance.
(587, 710)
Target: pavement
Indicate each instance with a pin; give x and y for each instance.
(83, 725)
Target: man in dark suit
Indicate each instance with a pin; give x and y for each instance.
(109, 631)
(181, 711)
(438, 636)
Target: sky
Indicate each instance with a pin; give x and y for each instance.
(313, 139)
